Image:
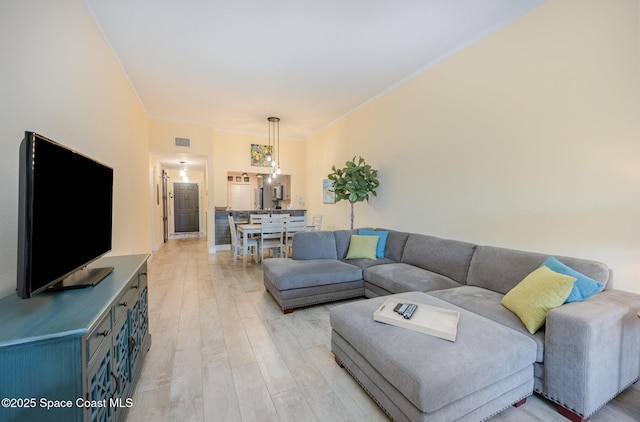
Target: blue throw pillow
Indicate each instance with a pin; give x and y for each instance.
(583, 288)
(382, 240)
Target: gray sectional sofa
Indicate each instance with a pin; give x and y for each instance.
(586, 353)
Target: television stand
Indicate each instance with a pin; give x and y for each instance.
(85, 277)
(76, 355)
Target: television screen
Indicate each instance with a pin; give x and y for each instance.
(65, 214)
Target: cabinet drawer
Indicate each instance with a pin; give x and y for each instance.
(98, 335)
(125, 301)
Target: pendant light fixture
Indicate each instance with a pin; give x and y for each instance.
(183, 172)
(274, 138)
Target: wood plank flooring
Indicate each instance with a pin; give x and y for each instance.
(223, 351)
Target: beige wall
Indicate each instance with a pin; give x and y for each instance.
(59, 78)
(528, 139)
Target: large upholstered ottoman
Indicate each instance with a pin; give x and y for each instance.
(417, 377)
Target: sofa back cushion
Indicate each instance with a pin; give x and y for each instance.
(314, 245)
(500, 269)
(396, 242)
(343, 237)
(450, 258)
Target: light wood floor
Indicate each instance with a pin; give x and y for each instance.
(223, 351)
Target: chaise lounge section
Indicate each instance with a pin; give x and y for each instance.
(587, 352)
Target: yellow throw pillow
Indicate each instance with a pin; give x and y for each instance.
(362, 247)
(537, 294)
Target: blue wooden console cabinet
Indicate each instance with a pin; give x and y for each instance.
(75, 355)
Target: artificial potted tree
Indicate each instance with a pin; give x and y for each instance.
(355, 182)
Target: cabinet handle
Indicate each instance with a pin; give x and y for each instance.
(115, 378)
(125, 303)
(135, 286)
(144, 274)
(105, 333)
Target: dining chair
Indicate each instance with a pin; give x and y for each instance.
(237, 244)
(256, 218)
(293, 225)
(317, 222)
(272, 235)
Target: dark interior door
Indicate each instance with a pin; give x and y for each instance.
(185, 203)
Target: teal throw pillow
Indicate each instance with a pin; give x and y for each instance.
(382, 240)
(583, 288)
(362, 247)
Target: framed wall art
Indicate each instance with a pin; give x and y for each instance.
(259, 155)
(328, 195)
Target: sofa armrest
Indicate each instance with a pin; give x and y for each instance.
(592, 350)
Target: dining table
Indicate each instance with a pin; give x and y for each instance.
(248, 229)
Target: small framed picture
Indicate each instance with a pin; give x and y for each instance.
(246, 179)
(328, 194)
(229, 178)
(238, 179)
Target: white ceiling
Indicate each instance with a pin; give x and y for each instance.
(231, 64)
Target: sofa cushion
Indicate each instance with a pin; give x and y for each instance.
(285, 273)
(401, 277)
(366, 263)
(342, 238)
(486, 303)
(314, 245)
(537, 294)
(500, 269)
(395, 244)
(450, 258)
(583, 288)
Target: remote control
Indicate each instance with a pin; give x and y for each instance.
(409, 312)
(397, 307)
(402, 308)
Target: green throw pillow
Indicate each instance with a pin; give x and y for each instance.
(537, 294)
(362, 247)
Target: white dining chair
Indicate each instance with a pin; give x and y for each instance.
(293, 225)
(256, 218)
(317, 222)
(237, 245)
(272, 235)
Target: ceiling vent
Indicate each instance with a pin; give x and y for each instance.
(183, 142)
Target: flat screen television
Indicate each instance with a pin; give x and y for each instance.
(65, 217)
